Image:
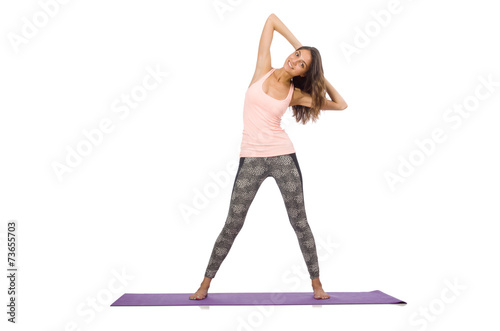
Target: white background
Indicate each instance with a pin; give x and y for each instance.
(119, 210)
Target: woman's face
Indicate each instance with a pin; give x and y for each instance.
(298, 63)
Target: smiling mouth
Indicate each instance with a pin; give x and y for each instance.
(290, 64)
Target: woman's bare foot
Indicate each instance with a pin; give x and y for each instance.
(202, 291)
(318, 290)
(200, 294)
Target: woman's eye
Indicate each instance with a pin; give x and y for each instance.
(296, 53)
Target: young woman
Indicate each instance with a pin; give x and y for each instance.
(266, 149)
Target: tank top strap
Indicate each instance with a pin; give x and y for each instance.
(267, 75)
(290, 92)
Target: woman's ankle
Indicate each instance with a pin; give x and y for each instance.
(316, 281)
(206, 282)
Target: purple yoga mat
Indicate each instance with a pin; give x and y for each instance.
(254, 298)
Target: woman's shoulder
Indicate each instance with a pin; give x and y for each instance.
(260, 73)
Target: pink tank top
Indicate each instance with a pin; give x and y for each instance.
(262, 132)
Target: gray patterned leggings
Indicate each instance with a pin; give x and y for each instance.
(251, 173)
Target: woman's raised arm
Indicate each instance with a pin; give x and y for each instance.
(285, 32)
(264, 54)
(337, 102)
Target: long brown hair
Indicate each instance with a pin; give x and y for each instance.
(314, 84)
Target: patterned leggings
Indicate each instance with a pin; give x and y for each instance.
(251, 173)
